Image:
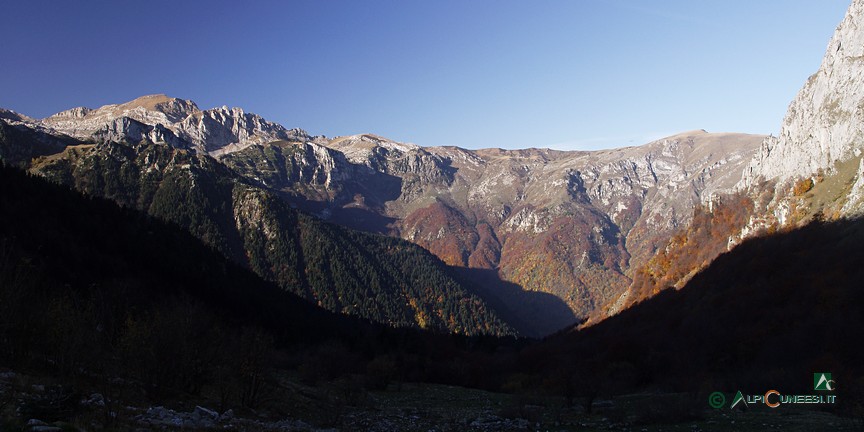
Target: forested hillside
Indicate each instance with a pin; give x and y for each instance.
(366, 275)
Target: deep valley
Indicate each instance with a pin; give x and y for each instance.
(164, 267)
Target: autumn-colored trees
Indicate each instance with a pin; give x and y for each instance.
(710, 233)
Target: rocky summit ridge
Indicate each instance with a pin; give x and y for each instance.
(174, 121)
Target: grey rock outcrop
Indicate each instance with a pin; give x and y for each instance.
(130, 130)
(825, 122)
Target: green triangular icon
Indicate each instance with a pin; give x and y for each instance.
(823, 381)
(738, 398)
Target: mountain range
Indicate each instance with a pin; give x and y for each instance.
(530, 240)
(567, 224)
(359, 283)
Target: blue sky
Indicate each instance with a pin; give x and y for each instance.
(574, 74)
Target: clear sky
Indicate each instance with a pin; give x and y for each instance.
(574, 74)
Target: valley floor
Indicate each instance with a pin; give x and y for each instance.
(39, 403)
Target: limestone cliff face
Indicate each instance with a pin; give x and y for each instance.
(222, 130)
(825, 122)
(128, 129)
(814, 169)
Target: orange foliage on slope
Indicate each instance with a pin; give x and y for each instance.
(443, 231)
(574, 259)
(693, 248)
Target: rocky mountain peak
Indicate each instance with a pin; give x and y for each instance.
(825, 122)
(83, 122)
(151, 108)
(216, 131)
(75, 113)
(14, 116)
(359, 148)
(174, 109)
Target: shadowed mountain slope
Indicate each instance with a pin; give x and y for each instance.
(765, 315)
(372, 276)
